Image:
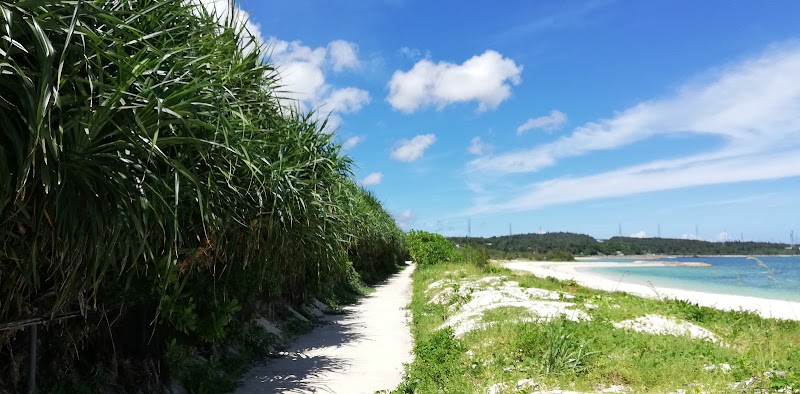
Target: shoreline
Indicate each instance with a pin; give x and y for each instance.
(671, 256)
(768, 308)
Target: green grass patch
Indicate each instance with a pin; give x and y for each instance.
(589, 355)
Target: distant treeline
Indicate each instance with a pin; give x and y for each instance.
(521, 245)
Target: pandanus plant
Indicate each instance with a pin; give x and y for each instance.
(145, 155)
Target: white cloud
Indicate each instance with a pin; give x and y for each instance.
(665, 175)
(372, 179)
(478, 147)
(691, 236)
(413, 53)
(346, 100)
(552, 121)
(413, 149)
(352, 142)
(303, 81)
(640, 234)
(486, 79)
(753, 107)
(300, 69)
(343, 55)
(405, 218)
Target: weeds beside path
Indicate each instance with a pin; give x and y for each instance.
(359, 351)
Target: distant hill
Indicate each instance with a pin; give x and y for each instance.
(581, 244)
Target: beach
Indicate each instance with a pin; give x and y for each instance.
(769, 308)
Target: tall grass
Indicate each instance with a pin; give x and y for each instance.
(145, 157)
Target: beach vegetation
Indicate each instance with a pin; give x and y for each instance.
(153, 179)
(428, 248)
(510, 347)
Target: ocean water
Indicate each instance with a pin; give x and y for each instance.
(774, 277)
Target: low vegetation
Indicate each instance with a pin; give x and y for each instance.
(153, 181)
(596, 341)
(531, 245)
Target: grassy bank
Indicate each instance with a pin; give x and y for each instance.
(154, 183)
(480, 330)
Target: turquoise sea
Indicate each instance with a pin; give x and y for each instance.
(775, 277)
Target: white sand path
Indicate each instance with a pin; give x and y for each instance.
(360, 351)
(768, 308)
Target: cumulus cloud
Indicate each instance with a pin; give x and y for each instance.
(352, 142)
(300, 69)
(346, 100)
(343, 55)
(640, 234)
(413, 149)
(303, 81)
(724, 237)
(486, 79)
(372, 179)
(691, 236)
(478, 147)
(552, 121)
(405, 218)
(753, 107)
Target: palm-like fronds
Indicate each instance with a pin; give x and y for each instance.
(145, 156)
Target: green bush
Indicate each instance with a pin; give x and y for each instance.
(429, 248)
(558, 255)
(481, 257)
(476, 255)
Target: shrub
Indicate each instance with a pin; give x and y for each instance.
(481, 257)
(429, 248)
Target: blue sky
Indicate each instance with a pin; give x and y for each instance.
(573, 116)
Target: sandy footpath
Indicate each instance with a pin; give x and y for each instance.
(564, 271)
(360, 351)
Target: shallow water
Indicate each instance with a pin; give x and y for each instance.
(775, 277)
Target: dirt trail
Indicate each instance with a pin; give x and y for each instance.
(360, 351)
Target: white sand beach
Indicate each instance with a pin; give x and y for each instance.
(564, 271)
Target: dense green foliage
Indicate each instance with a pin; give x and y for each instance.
(629, 245)
(429, 248)
(146, 161)
(524, 245)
